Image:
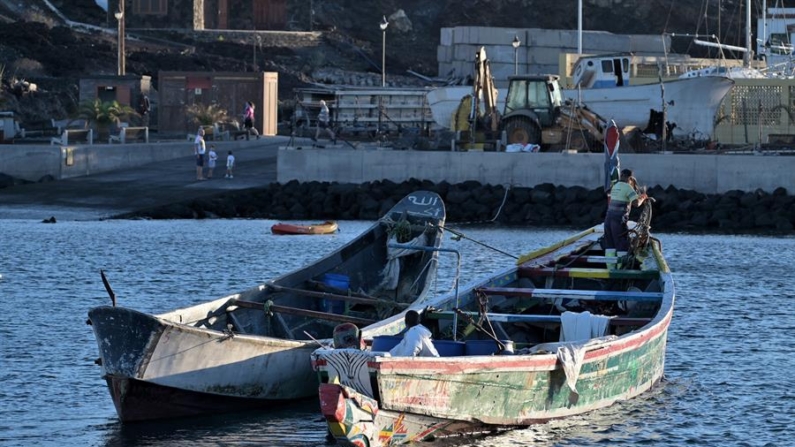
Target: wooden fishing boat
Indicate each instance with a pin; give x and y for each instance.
(562, 333)
(251, 349)
(326, 227)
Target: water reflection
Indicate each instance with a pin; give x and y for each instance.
(291, 425)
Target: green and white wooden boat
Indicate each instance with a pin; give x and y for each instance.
(503, 364)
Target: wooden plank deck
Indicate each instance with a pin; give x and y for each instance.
(587, 295)
(534, 318)
(588, 273)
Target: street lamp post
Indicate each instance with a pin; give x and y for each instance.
(120, 18)
(383, 26)
(516, 42)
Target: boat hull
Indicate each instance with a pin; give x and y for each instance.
(468, 398)
(320, 228)
(138, 400)
(171, 370)
(691, 104)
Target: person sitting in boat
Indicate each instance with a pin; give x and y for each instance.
(348, 336)
(623, 195)
(416, 339)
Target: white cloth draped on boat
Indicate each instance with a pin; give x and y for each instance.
(391, 272)
(571, 357)
(576, 330)
(579, 326)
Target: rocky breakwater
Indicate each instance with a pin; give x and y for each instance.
(544, 205)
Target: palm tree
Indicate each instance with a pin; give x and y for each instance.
(205, 115)
(101, 115)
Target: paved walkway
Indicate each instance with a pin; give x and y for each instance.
(104, 195)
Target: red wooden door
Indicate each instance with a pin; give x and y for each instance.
(223, 15)
(270, 14)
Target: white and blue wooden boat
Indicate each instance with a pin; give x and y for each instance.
(251, 349)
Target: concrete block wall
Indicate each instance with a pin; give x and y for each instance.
(32, 163)
(539, 51)
(709, 174)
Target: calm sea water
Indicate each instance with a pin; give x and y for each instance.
(729, 370)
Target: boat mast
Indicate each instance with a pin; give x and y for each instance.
(747, 55)
(763, 36)
(579, 28)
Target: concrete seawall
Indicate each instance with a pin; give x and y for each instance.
(708, 174)
(33, 162)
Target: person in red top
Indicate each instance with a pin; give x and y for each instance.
(248, 120)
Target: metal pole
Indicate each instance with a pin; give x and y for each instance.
(383, 59)
(118, 47)
(516, 61)
(122, 31)
(579, 27)
(457, 273)
(747, 56)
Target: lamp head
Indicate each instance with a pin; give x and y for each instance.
(516, 42)
(383, 24)
(118, 15)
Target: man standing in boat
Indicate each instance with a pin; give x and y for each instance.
(623, 195)
(416, 340)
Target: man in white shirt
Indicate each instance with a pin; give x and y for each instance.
(199, 150)
(416, 341)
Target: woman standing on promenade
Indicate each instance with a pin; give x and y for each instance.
(248, 120)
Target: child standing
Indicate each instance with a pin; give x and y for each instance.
(230, 165)
(211, 159)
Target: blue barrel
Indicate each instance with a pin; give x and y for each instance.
(337, 281)
(487, 347)
(449, 348)
(383, 343)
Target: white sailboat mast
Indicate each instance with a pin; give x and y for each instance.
(579, 27)
(747, 55)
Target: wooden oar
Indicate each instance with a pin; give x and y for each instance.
(108, 288)
(304, 312)
(333, 296)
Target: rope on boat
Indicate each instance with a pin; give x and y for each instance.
(462, 235)
(504, 199)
